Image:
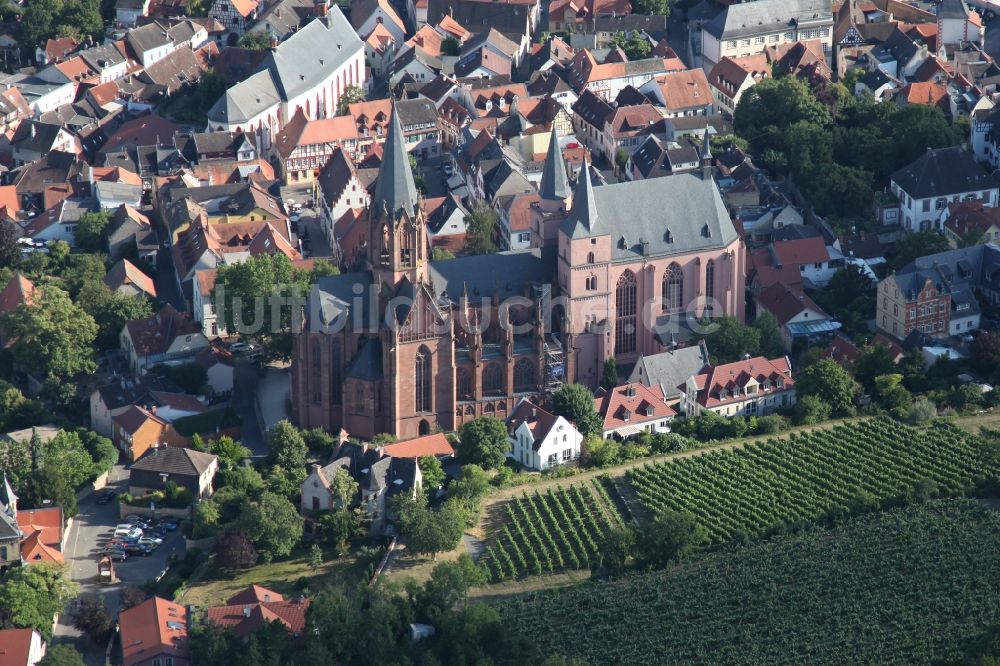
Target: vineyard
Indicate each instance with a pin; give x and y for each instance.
(907, 586)
(744, 492)
(553, 531)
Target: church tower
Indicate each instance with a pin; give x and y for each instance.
(398, 244)
(555, 196)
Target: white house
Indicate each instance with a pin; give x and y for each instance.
(939, 177)
(166, 337)
(540, 440)
(810, 255)
(366, 15)
(752, 387)
(151, 43)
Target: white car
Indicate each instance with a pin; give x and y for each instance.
(150, 541)
(128, 531)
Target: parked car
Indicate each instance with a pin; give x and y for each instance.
(138, 549)
(130, 532)
(116, 554)
(150, 542)
(448, 169)
(170, 524)
(106, 496)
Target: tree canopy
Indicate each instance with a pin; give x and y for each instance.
(91, 231)
(30, 596)
(575, 403)
(831, 383)
(52, 335)
(480, 224)
(272, 524)
(483, 442)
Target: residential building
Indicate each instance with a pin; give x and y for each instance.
(753, 387)
(668, 369)
(431, 372)
(731, 77)
(126, 278)
(341, 189)
(41, 535)
(798, 316)
(935, 179)
(21, 647)
(127, 12)
(810, 255)
(255, 607)
(34, 139)
(367, 15)
(540, 440)
(235, 15)
(937, 295)
(136, 430)
(607, 79)
(303, 73)
(631, 409)
(186, 468)
(744, 29)
(165, 337)
(154, 633)
(380, 477)
(681, 93)
(304, 146)
(970, 222)
(957, 24)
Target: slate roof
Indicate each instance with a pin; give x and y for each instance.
(367, 363)
(670, 368)
(943, 172)
(298, 65)
(154, 334)
(555, 181)
(395, 190)
(174, 460)
(660, 212)
(509, 272)
(953, 9)
(767, 16)
(35, 136)
(538, 420)
(332, 297)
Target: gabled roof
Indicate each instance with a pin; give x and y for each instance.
(245, 619)
(686, 89)
(786, 303)
(134, 417)
(539, 421)
(801, 251)
(124, 272)
(154, 627)
(435, 444)
(155, 333)
(175, 460)
(631, 403)
(668, 369)
(18, 291)
(728, 376)
(254, 594)
(943, 172)
(43, 531)
(362, 10)
(969, 217)
(15, 644)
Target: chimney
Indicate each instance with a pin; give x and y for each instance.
(32, 130)
(534, 412)
(267, 598)
(320, 8)
(274, 43)
(246, 611)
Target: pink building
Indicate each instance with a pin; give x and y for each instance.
(639, 263)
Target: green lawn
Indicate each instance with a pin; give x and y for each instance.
(217, 585)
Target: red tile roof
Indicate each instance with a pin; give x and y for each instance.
(712, 379)
(786, 303)
(17, 292)
(124, 272)
(430, 445)
(153, 628)
(927, 94)
(631, 404)
(842, 350)
(539, 421)
(801, 251)
(249, 610)
(42, 529)
(254, 594)
(155, 334)
(971, 217)
(15, 644)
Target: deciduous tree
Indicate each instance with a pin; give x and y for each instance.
(609, 376)
(575, 402)
(31, 596)
(484, 442)
(671, 536)
(273, 524)
(351, 95)
(61, 655)
(52, 335)
(91, 231)
(480, 224)
(831, 383)
(92, 618)
(234, 550)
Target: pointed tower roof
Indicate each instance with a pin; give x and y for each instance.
(582, 220)
(555, 182)
(8, 503)
(395, 188)
(706, 146)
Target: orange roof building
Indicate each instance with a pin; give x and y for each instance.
(752, 387)
(19, 291)
(156, 630)
(43, 535)
(249, 610)
(632, 409)
(21, 647)
(435, 444)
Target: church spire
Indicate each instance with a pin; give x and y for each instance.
(395, 188)
(706, 146)
(582, 219)
(555, 183)
(8, 503)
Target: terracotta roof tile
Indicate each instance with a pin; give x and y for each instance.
(429, 445)
(154, 627)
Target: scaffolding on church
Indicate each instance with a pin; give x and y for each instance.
(554, 365)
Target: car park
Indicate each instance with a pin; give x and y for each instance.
(116, 555)
(150, 542)
(132, 532)
(170, 524)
